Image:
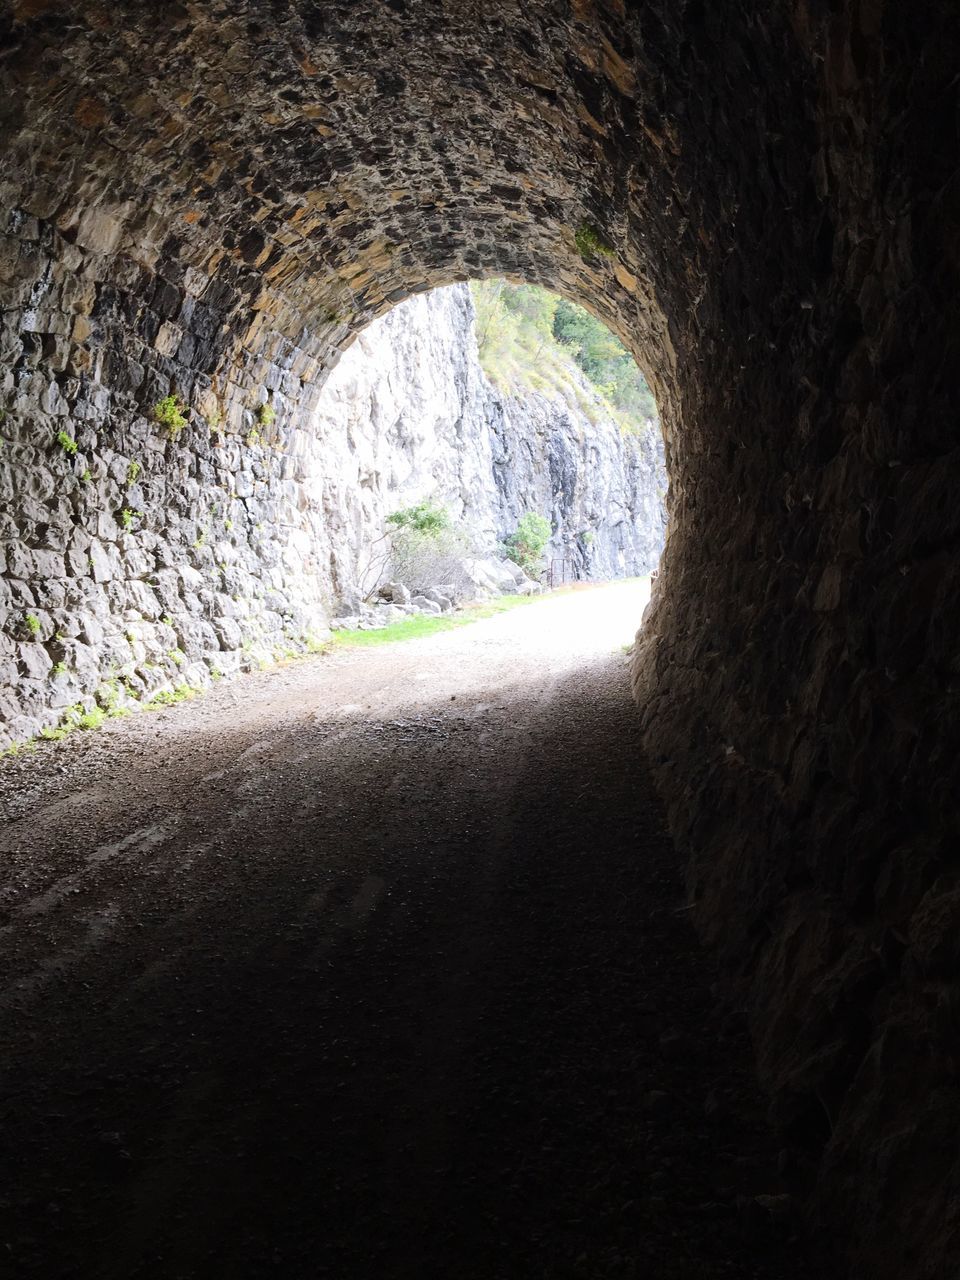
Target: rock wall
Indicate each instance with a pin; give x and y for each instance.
(135, 555)
(408, 414)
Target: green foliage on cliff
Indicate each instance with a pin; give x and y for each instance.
(529, 339)
(169, 412)
(525, 545)
(426, 517)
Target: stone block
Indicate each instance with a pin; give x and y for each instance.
(33, 661)
(228, 632)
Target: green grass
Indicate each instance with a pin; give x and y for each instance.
(429, 624)
(170, 697)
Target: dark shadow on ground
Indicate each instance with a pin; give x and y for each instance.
(424, 1009)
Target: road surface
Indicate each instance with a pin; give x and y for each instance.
(376, 965)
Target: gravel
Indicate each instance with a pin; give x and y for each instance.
(375, 965)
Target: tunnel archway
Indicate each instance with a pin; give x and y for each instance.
(209, 204)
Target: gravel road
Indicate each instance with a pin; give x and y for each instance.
(373, 966)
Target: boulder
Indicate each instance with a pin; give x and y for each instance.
(395, 592)
(438, 597)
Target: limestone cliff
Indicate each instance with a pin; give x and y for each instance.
(408, 414)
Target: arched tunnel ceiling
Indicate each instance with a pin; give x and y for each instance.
(322, 160)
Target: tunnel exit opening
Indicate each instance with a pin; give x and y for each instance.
(480, 440)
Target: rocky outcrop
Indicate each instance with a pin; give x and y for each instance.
(408, 415)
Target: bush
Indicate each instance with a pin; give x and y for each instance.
(425, 517)
(526, 544)
(422, 547)
(421, 560)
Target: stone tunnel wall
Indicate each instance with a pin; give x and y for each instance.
(138, 554)
(798, 674)
(761, 200)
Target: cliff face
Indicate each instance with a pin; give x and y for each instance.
(408, 414)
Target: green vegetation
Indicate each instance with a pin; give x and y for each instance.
(169, 413)
(59, 668)
(529, 339)
(606, 362)
(177, 657)
(108, 694)
(85, 475)
(588, 242)
(525, 545)
(425, 517)
(67, 443)
(421, 546)
(427, 625)
(170, 697)
(127, 517)
(266, 415)
(73, 718)
(33, 624)
(133, 471)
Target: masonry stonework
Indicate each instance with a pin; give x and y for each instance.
(763, 201)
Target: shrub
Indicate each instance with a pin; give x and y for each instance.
(421, 560)
(421, 547)
(169, 413)
(67, 443)
(525, 545)
(426, 517)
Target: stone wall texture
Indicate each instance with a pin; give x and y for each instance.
(764, 202)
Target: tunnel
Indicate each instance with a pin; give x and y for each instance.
(203, 205)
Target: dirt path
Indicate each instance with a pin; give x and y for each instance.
(373, 966)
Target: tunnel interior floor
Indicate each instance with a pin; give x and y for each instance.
(376, 966)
